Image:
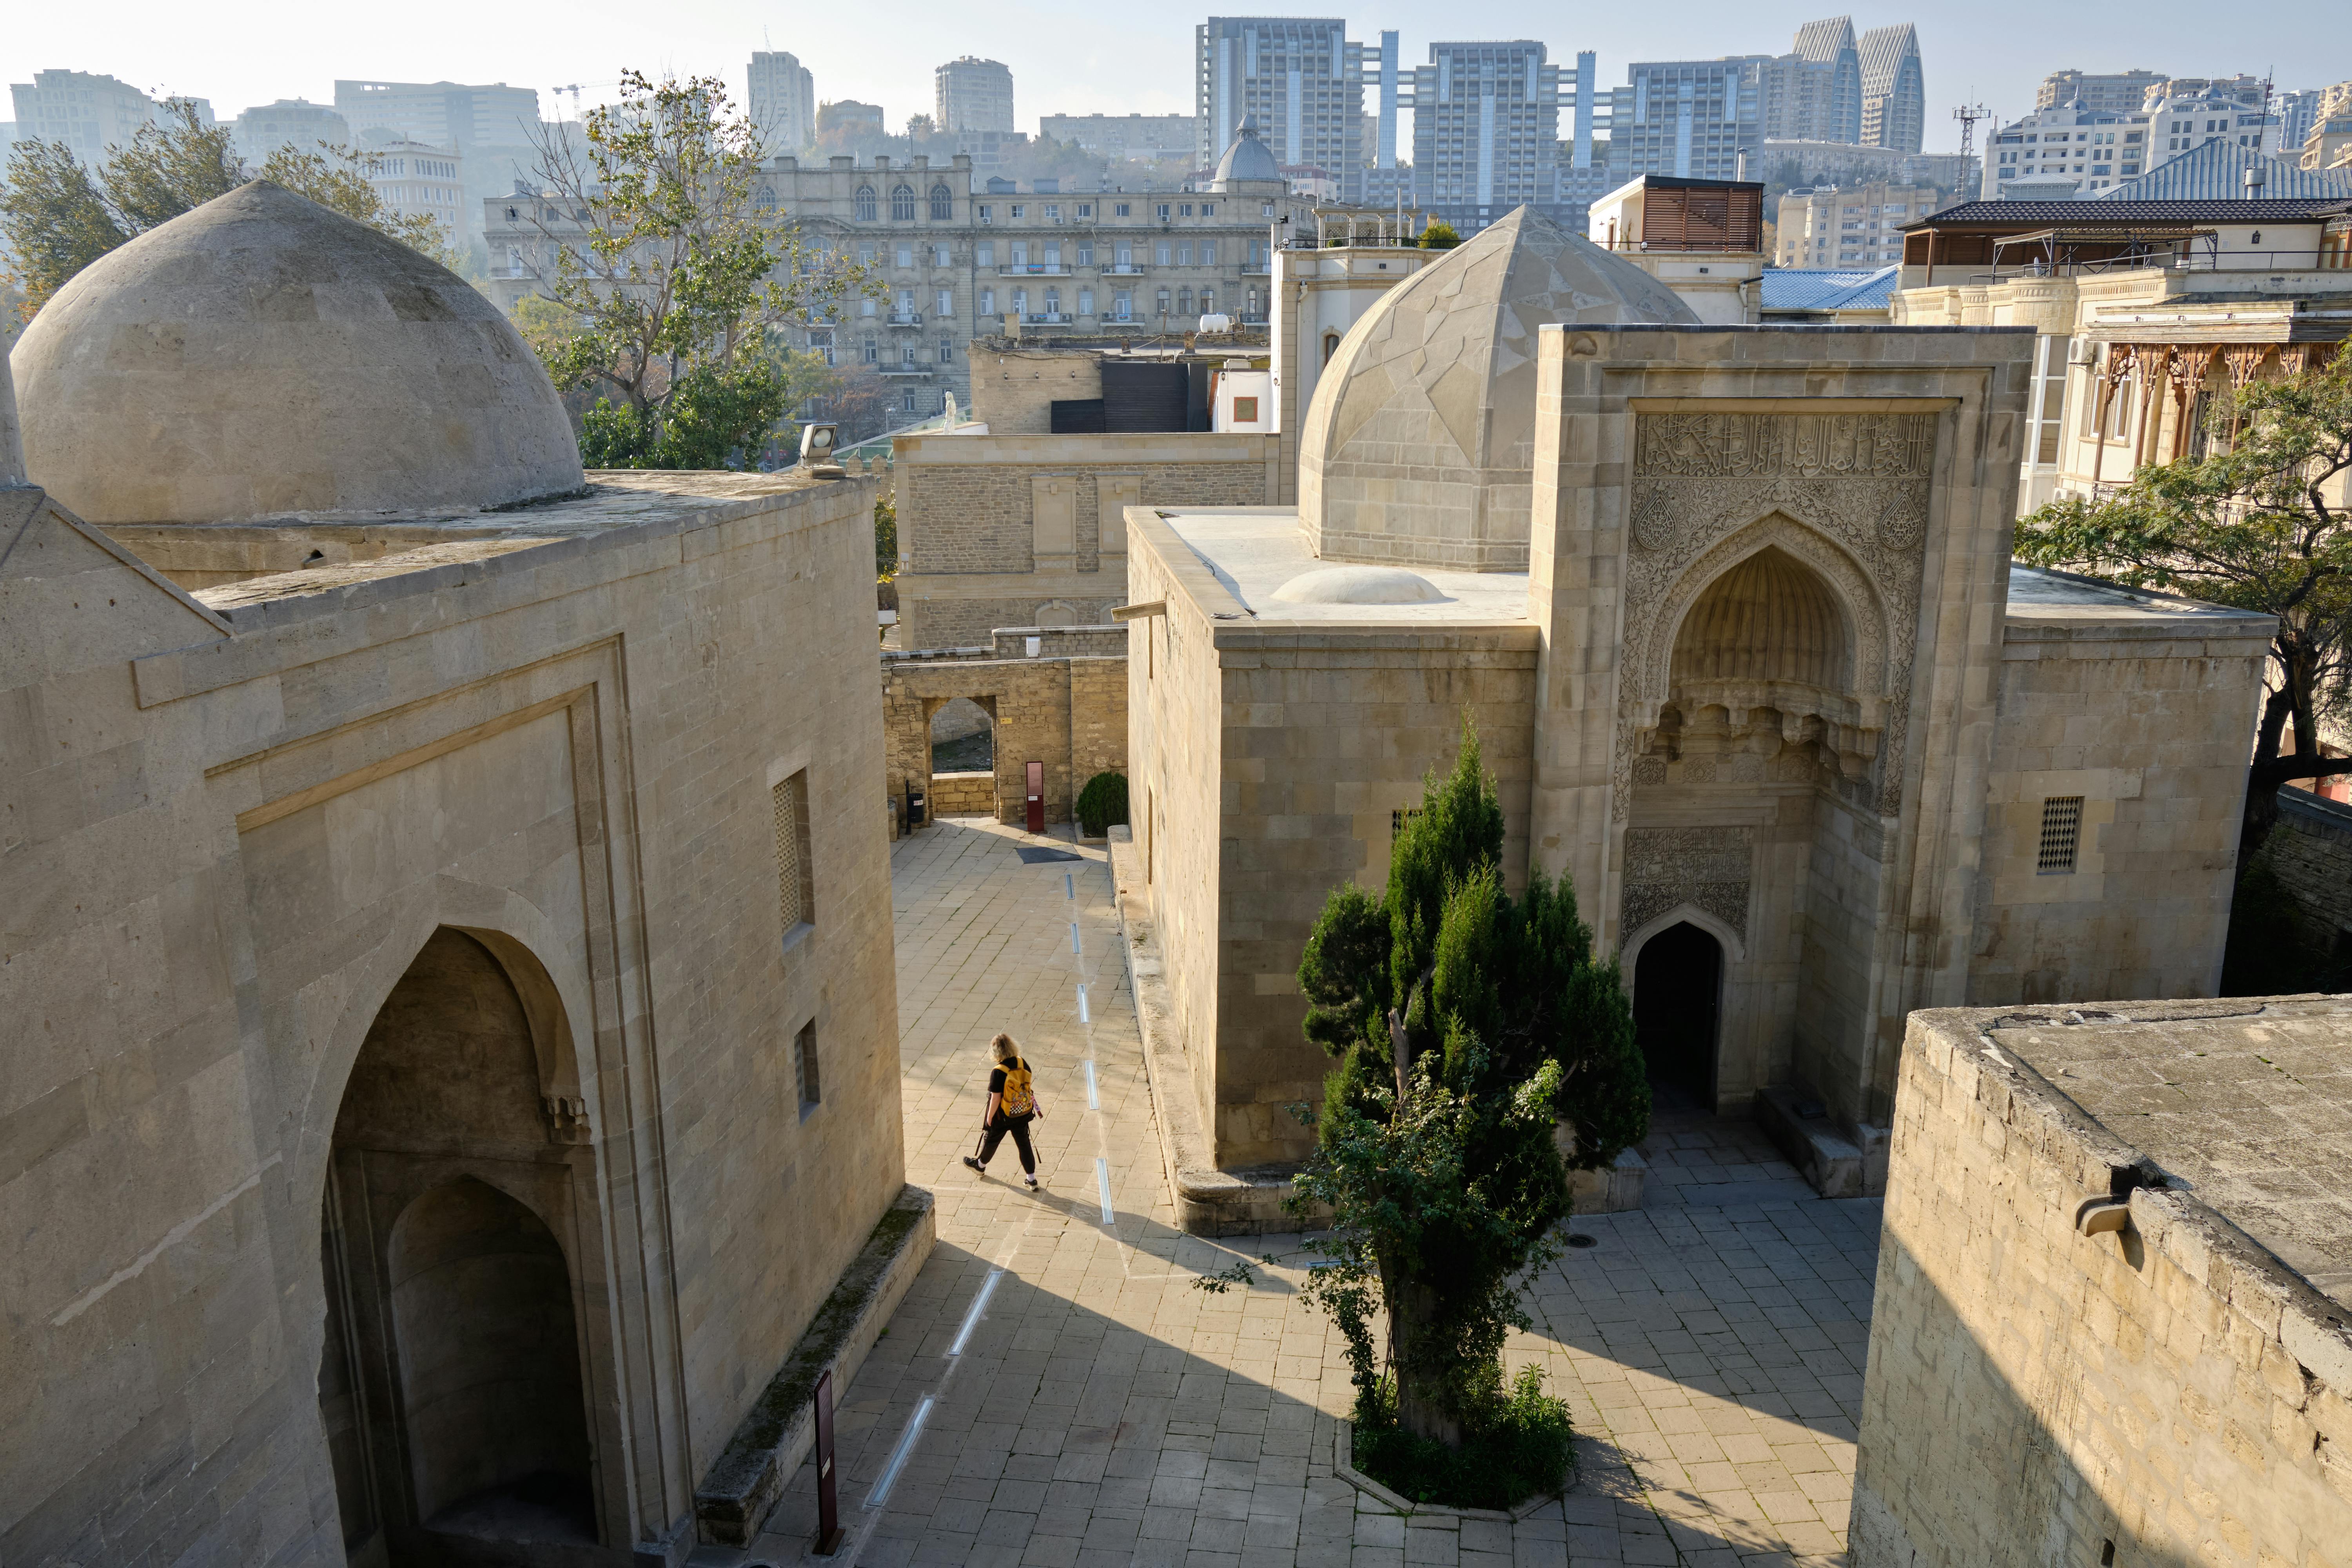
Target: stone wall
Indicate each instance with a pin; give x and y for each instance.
(1013, 389)
(2167, 1392)
(254, 813)
(1068, 712)
(963, 794)
(2311, 849)
(1014, 530)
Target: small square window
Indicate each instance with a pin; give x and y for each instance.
(805, 1068)
(2062, 835)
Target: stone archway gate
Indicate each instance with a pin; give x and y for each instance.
(1063, 704)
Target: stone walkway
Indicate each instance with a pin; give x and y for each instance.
(1073, 1399)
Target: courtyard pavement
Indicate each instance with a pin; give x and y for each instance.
(1055, 1390)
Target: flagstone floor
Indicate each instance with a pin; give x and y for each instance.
(1056, 1391)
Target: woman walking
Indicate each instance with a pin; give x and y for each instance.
(1012, 1102)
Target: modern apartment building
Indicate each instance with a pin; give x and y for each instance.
(1815, 92)
(1690, 119)
(1854, 225)
(1894, 89)
(441, 113)
(781, 94)
(2072, 151)
(415, 180)
(949, 263)
(1486, 131)
(1149, 137)
(294, 122)
(972, 94)
(88, 114)
(2120, 92)
(1300, 77)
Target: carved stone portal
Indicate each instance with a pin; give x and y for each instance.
(1709, 868)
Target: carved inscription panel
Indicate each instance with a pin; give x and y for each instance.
(1707, 867)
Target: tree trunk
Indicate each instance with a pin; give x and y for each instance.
(1421, 1404)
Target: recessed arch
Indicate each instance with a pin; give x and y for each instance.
(1735, 947)
(1768, 618)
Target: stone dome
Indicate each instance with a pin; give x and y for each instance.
(1359, 586)
(1247, 157)
(263, 355)
(1419, 445)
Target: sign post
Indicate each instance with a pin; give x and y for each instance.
(828, 1504)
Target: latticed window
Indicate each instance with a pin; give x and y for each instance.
(902, 205)
(1398, 818)
(2061, 834)
(796, 894)
(866, 204)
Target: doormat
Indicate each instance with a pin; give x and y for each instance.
(1037, 854)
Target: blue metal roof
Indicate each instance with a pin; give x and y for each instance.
(1827, 289)
(2217, 172)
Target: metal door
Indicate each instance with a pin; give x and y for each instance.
(1036, 797)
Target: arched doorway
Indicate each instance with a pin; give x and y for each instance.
(1677, 991)
(451, 1386)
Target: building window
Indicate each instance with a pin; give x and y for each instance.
(1020, 211)
(805, 1068)
(2061, 834)
(988, 301)
(941, 256)
(1208, 209)
(986, 254)
(1163, 212)
(942, 207)
(987, 212)
(1208, 301)
(906, 256)
(796, 893)
(1086, 253)
(943, 302)
(1086, 301)
(1086, 210)
(873, 350)
(902, 205)
(1183, 301)
(906, 357)
(1164, 253)
(866, 204)
(947, 351)
(1330, 346)
(1120, 210)
(1208, 253)
(1122, 306)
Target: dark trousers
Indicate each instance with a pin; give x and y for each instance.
(1019, 1127)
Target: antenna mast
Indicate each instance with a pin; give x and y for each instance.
(1968, 114)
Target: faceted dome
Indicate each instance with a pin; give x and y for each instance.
(1248, 158)
(263, 355)
(1419, 445)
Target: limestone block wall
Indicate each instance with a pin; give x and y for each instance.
(963, 794)
(2169, 1393)
(251, 819)
(2311, 849)
(1068, 712)
(1014, 530)
(2149, 720)
(1013, 389)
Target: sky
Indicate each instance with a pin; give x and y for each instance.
(1081, 59)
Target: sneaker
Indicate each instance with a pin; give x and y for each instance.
(975, 1164)
(1031, 1182)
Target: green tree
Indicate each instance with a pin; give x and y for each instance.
(886, 538)
(1467, 1024)
(337, 179)
(1438, 235)
(669, 282)
(2250, 525)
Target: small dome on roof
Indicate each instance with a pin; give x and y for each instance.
(1359, 586)
(1248, 157)
(262, 355)
(1419, 445)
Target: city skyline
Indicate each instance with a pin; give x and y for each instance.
(1076, 59)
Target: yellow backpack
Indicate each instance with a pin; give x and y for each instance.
(1020, 1095)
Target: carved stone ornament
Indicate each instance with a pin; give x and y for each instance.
(1708, 868)
(1848, 494)
(567, 1118)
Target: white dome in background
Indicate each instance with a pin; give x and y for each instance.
(1359, 586)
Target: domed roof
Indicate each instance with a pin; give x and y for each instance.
(1359, 586)
(1419, 445)
(263, 355)
(1247, 157)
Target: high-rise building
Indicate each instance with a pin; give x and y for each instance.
(2120, 92)
(1815, 92)
(973, 94)
(1148, 137)
(88, 114)
(781, 96)
(1300, 77)
(1894, 89)
(1691, 119)
(2297, 111)
(2041, 155)
(1485, 131)
(293, 122)
(442, 113)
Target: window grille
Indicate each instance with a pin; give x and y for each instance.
(2061, 834)
(1398, 818)
(795, 892)
(805, 1066)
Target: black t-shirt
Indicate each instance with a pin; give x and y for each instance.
(996, 1082)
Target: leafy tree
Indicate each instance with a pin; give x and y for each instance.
(669, 283)
(2250, 525)
(58, 216)
(1438, 235)
(1466, 1024)
(886, 538)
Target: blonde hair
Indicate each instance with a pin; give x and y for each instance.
(1005, 1049)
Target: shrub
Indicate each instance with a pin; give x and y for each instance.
(1439, 236)
(1102, 804)
(1522, 1449)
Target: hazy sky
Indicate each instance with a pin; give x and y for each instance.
(1091, 57)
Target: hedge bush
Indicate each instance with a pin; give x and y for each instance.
(1102, 804)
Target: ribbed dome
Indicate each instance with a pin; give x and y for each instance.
(1768, 618)
(263, 355)
(1248, 158)
(1419, 445)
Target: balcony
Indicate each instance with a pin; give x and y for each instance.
(1124, 270)
(1033, 269)
(1047, 318)
(905, 318)
(918, 371)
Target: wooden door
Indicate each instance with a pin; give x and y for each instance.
(1036, 797)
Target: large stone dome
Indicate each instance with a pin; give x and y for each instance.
(1418, 447)
(263, 355)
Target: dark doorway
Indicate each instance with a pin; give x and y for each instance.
(1678, 982)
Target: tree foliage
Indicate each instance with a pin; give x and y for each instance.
(1444, 1178)
(2250, 525)
(1439, 235)
(665, 282)
(58, 214)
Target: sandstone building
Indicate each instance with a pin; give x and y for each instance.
(1732, 611)
(444, 935)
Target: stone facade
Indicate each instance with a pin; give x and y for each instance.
(1010, 531)
(2311, 850)
(425, 911)
(2108, 1324)
(1064, 704)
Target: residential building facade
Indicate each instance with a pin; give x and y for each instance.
(1894, 89)
(1147, 138)
(293, 122)
(780, 93)
(1854, 225)
(88, 114)
(972, 94)
(1690, 119)
(1485, 131)
(441, 113)
(2119, 93)
(2066, 150)
(414, 180)
(1815, 92)
(1301, 77)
